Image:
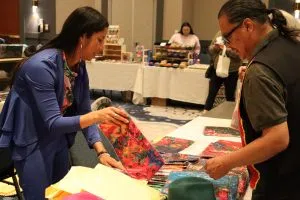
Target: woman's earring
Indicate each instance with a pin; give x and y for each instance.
(80, 52)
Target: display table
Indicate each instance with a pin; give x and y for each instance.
(188, 85)
(9, 60)
(218, 116)
(193, 130)
(112, 76)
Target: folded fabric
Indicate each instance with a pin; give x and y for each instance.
(177, 158)
(82, 196)
(172, 145)
(220, 131)
(240, 172)
(160, 177)
(225, 188)
(137, 155)
(219, 148)
(191, 188)
(105, 182)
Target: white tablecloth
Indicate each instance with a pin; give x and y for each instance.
(193, 130)
(188, 85)
(112, 76)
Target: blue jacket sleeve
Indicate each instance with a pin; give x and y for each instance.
(40, 79)
(91, 133)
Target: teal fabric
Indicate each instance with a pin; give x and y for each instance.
(191, 188)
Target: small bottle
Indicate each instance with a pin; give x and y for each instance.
(195, 57)
(139, 49)
(41, 25)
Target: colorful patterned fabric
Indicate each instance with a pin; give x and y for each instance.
(69, 80)
(240, 172)
(219, 148)
(172, 145)
(82, 196)
(160, 177)
(220, 131)
(176, 158)
(173, 162)
(137, 155)
(225, 187)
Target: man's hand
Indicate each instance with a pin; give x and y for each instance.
(217, 167)
(242, 71)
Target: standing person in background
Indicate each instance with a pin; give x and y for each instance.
(215, 82)
(186, 38)
(49, 102)
(269, 106)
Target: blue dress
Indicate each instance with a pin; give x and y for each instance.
(32, 123)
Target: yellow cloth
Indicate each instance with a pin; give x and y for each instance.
(106, 183)
(6, 189)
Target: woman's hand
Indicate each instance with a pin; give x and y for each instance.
(106, 160)
(112, 115)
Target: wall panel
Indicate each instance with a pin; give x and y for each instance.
(9, 17)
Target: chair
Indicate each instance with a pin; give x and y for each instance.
(7, 170)
(204, 46)
(204, 58)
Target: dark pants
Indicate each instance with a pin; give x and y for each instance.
(43, 167)
(215, 83)
(285, 188)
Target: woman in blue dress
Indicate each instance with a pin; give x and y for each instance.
(49, 102)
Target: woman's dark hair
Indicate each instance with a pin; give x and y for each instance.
(186, 24)
(82, 21)
(238, 10)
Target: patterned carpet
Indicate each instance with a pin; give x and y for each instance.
(175, 112)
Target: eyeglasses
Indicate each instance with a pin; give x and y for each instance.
(226, 37)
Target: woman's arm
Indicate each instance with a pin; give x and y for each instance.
(174, 38)
(214, 50)
(106, 115)
(40, 80)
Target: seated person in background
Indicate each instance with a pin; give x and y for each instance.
(186, 38)
(215, 82)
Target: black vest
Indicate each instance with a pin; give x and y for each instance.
(283, 57)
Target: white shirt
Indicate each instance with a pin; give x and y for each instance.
(186, 41)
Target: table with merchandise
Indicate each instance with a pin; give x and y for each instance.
(184, 153)
(187, 85)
